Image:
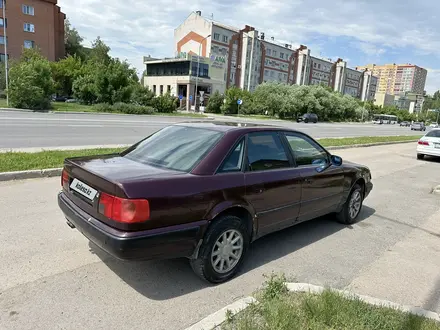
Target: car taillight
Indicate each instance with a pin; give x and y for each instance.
(424, 143)
(124, 210)
(64, 179)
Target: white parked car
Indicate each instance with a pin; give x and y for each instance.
(429, 144)
(434, 125)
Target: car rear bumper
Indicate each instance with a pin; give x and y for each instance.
(163, 243)
(429, 151)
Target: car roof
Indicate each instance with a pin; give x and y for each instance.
(230, 126)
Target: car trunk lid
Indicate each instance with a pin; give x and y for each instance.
(86, 178)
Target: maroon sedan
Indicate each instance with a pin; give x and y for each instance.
(205, 191)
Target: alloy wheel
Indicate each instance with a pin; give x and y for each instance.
(227, 251)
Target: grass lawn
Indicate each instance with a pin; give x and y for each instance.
(335, 142)
(21, 161)
(76, 107)
(3, 103)
(283, 310)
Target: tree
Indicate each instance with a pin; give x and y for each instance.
(232, 95)
(30, 81)
(72, 41)
(215, 103)
(99, 54)
(64, 73)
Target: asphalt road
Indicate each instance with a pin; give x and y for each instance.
(31, 130)
(51, 278)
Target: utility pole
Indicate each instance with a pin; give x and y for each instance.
(198, 69)
(6, 51)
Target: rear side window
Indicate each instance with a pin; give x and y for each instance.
(233, 163)
(177, 148)
(434, 133)
(265, 152)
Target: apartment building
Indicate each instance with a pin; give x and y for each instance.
(229, 56)
(32, 23)
(398, 79)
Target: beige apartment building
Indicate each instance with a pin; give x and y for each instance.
(398, 79)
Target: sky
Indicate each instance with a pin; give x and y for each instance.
(358, 31)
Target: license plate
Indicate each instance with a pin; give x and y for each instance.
(83, 189)
(437, 145)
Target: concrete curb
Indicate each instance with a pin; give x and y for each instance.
(33, 174)
(38, 149)
(213, 321)
(217, 318)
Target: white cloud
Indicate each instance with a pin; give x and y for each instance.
(134, 28)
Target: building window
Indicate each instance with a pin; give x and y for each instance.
(27, 10)
(28, 27)
(2, 40)
(2, 57)
(282, 55)
(161, 89)
(2, 21)
(268, 51)
(154, 89)
(29, 44)
(274, 53)
(169, 89)
(216, 36)
(266, 72)
(225, 38)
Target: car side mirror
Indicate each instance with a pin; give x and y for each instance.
(336, 160)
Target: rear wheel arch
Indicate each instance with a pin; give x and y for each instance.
(239, 212)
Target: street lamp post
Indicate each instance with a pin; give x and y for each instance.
(198, 69)
(6, 51)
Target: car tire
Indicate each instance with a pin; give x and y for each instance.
(420, 156)
(306, 121)
(206, 265)
(347, 216)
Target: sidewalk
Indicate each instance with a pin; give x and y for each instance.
(409, 272)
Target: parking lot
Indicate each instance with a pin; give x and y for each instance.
(51, 278)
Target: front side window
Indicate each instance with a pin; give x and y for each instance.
(177, 148)
(305, 151)
(265, 151)
(234, 161)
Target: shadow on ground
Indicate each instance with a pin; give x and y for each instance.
(165, 279)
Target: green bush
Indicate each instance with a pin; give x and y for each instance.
(30, 82)
(127, 108)
(165, 103)
(215, 103)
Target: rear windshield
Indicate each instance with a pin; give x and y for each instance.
(433, 133)
(175, 147)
